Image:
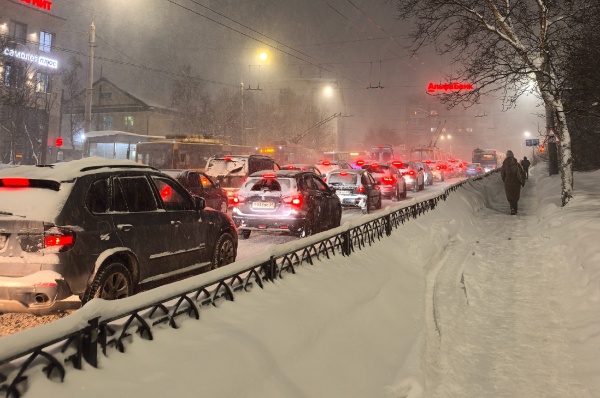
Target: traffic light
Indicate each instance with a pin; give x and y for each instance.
(59, 142)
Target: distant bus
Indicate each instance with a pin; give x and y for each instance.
(185, 153)
(348, 156)
(382, 153)
(287, 153)
(423, 154)
(488, 158)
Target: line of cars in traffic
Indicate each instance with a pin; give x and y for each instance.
(98, 228)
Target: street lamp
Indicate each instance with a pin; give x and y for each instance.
(328, 91)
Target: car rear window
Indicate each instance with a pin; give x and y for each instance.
(268, 185)
(227, 167)
(342, 178)
(40, 204)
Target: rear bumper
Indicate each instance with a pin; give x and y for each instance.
(269, 224)
(41, 293)
(387, 190)
(359, 201)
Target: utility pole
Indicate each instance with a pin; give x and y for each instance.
(243, 130)
(88, 90)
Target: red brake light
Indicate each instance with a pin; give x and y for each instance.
(408, 173)
(479, 169)
(293, 200)
(374, 166)
(326, 163)
(379, 146)
(238, 199)
(361, 189)
(58, 240)
(227, 159)
(360, 162)
(388, 180)
(428, 161)
(343, 173)
(290, 167)
(166, 192)
(15, 182)
(397, 163)
(269, 176)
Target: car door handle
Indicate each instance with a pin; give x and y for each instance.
(124, 227)
(175, 223)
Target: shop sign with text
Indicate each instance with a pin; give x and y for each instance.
(36, 59)
(432, 87)
(43, 4)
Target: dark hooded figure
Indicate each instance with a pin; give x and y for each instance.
(513, 177)
(525, 163)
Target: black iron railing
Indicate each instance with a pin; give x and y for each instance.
(114, 331)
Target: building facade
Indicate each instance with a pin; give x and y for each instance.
(29, 80)
(114, 109)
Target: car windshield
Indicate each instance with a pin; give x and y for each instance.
(342, 179)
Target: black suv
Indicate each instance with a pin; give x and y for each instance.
(74, 231)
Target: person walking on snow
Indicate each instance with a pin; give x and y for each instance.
(525, 163)
(513, 177)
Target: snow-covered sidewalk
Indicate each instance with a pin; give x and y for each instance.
(502, 308)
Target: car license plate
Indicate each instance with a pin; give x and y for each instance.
(263, 205)
(343, 192)
(2, 241)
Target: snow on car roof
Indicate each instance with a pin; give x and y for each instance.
(66, 171)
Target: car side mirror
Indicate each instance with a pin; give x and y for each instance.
(199, 202)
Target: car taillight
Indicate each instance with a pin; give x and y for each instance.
(360, 162)
(295, 200)
(397, 163)
(343, 173)
(237, 199)
(479, 169)
(269, 176)
(58, 239)
(324, 179)
(361, 189)
(166, 192)
(388, 180)
(326, 163)
(409, 173)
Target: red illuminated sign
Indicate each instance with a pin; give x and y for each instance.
(59, 142)
(43, 4)
(432, 87)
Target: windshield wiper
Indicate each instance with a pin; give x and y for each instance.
(7, 213)
(235, 170)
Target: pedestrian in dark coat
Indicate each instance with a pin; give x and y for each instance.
(525, 163)
(513, 177)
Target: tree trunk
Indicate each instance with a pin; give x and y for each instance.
(566, 160)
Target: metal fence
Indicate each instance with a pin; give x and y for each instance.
(103, 332)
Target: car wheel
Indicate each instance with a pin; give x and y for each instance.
(244, 233)
(404, 193)
(307, 228)
(396, 195)
(422, 186)
(378, 206)
(224, 252)
(112, 281)
(337, 219)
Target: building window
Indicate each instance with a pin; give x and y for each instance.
(45, 42)
(42, 82)
(17, 31)
(106, 96)
(128, 123)
(107, 122)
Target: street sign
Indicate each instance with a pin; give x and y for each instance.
(532, 142)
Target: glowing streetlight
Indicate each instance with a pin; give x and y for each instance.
(263, 56)
(527, 134)
(328, 91)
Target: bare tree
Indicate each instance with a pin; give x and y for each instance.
(26, 100)
(72, 87)
(503, 45)
(190, 98)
